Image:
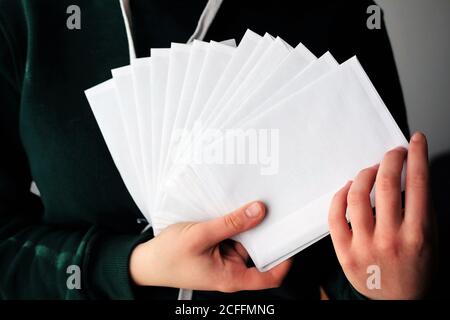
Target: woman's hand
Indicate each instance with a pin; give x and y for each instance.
(195, 256)
(398, 243)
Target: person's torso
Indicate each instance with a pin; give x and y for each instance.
(69, 160)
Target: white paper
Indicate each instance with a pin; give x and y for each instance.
(158, 79)
(104, 106)
(296, 61)
(216, 102)
(250, 42)
(142, 90)
(216, 60)
(265, 65)
(255, 65)
(123, 83)
(345, 127)
(178, 62)
(275, 124)
(297, 70)
(310, 74)
(195, 63)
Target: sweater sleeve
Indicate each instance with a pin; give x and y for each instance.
(38, 260)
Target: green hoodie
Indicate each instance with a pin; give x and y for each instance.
(85, 217)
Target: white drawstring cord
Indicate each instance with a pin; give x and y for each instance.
(126, 14)
(207, 17)
(204, 22)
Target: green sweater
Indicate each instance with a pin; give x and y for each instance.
(84, 215)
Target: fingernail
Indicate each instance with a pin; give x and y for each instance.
(254, 210)
(417, 137)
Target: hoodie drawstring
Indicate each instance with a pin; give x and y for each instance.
(126, 14)
(207, 17)
(203, 24)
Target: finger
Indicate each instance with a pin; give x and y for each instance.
(358, 201)
(253, 279)
(226, 248)
(417, 175)
(233, 249)
(241, 251)
(387, 191)
(339, 230)
(214, 231)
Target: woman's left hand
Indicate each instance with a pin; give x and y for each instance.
(390, 256)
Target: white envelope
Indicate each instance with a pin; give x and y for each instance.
(310, 74)
(142, 89)
(250, 42)
(296, 61)
(178, 62)
(323, 136)
(104, 106)
(296, 129)
(257, 64)
(291, 68)
(263, 68)
(158, 79)
(124, 90)
(216, 59)
(260, 102)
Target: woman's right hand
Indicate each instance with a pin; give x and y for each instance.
(195, 256)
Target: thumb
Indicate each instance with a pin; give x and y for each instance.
(225, 227)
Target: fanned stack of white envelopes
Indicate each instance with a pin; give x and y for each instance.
(201, 129)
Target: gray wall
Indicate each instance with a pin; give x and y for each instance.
(420, 36)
